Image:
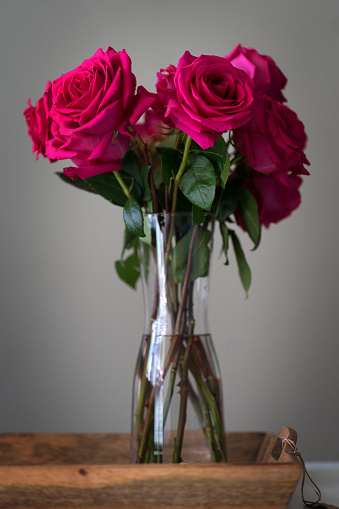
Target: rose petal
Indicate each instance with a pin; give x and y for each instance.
(85, 172)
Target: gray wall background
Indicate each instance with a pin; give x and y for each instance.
(70, 330)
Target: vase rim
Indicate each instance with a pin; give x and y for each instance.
(185, 214)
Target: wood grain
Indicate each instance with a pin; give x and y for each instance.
(91, 470)
(68, 449)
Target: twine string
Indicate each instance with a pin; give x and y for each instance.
(292, 449)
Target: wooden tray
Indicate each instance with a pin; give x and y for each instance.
(92, 471)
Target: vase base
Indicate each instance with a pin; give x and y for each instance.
(194, 448)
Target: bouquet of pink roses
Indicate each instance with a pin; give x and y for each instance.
(216, 136)
(216, 141)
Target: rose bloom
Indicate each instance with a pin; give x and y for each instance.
(211, 96)
(91, 154)
(98, 96)
(274, 140)
(165, 86)
(276, 201)
(267, 77)
(92, 107)
(39, 123)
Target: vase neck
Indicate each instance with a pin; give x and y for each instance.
(175, 266)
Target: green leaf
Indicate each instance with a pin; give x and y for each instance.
(147, 190)
(183, 204)
(226, 171)
(129, 269)
(107, 186)
(243, 267)
(219, 156)
(147, 239)
(198, 181)
(228, 202)
(133, 217)
(130, 242)
(170, 163)
(79, 183)
(225, 243)
(248, 210)
(200, 256)
(198, 215)
(130, 168)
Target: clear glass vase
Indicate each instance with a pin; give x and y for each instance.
(177, 410)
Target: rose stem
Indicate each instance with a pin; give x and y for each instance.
(167, 206)
(202, 359)
(149, 454)
(208, 427)
(214, 409)
(203, 413)
(184, 379)
(186, 280)
(196, 404)
(122, 183)
(175, 191)
(143, 147)
(171, 384)
(144, 384)
(180, 172)
(149, 415)
(173, 344)
(183, 400)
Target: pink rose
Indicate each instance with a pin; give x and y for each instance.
(211, 97)
(267, 77)
(92, 154)
(39, 123)
(274, 140)
(276, 201)
(92, 106)
(165, 86)
(98, 96)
